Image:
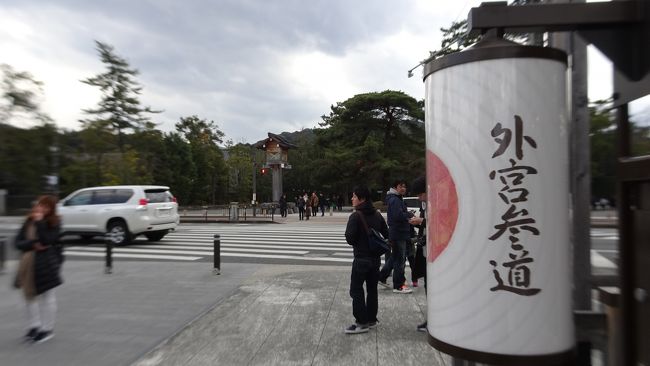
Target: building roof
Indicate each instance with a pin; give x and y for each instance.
(273, 137)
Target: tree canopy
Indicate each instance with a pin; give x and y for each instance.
(372, 138)
(119, 109)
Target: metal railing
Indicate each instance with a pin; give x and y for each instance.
(239, 212)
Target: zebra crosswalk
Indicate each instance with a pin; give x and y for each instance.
(318, 245)
(278, 244)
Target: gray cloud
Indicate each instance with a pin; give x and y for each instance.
(225, 60)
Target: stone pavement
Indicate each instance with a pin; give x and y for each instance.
(295, 315)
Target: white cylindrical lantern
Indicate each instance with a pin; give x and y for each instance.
(498, 261)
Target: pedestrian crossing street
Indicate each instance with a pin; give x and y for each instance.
(270, 243)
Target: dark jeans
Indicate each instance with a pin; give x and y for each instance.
(395, 263)
(387, 269)
(301, 213)
(364, 308)
(410, 256)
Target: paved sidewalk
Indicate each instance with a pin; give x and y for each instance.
(167, 313)
(115, 319)
(295, 315)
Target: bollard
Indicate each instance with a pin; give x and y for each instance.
(108, 269)
(3, 254)
(217, 255)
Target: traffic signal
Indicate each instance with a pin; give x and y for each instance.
(264, 170)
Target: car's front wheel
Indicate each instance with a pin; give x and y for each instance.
(118, 233)
(156, 235)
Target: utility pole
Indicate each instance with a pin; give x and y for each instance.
(580, 156)
(254, 200)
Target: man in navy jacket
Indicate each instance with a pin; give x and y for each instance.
(399, 233)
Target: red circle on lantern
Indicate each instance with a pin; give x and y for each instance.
(442, 208)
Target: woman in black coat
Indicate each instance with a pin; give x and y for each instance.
(39, 268)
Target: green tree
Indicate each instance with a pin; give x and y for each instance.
(602, 136)
(180, 172)
(372, 138)
(604, 154)
(27, 156)
(119, 109)
(211, 178)
(240, 168)
(302, 175)
(20, 93)
(456, 38)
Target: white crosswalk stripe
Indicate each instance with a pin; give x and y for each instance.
(249, 242)
(196, 243)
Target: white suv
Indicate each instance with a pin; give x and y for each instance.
(121, 212)
(413, 204)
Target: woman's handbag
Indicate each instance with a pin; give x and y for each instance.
(376, 242)
(25, 275)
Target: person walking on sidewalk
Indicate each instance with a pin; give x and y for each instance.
(399, 233)
(300, 202)
(322, 203)
(365, 266)
(39, 267)
(314, 203)
(419, 269)
(283, 205)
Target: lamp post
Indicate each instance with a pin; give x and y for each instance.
(53, 178)
(254, 199)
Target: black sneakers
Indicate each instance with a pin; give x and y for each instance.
(43, 336)
(31, 334)
(357, 328)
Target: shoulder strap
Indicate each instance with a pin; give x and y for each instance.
(363, 220)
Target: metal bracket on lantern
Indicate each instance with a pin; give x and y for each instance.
(619, 29)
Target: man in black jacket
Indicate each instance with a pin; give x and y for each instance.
(365, 267)
(419, 188)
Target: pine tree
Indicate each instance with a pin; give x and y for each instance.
(119, 109)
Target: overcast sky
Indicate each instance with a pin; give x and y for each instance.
(251, 66)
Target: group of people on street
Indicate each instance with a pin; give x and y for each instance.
(400, 231)
(309, 205)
